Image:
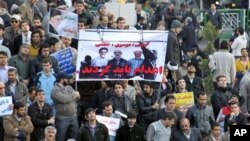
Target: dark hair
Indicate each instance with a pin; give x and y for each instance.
(106, 104)
(168, 115)
(82, 20)
(12, 70)
(103, 48)
(101, 17)
(224, 45)
(120, 19)
(2, 27)
(79, 2)
(241, 30)
(32, 88)
(132, 114)
(24, 21)
(43, 45)
(215, 124)
(3, 53)
(18, 105)
(150, 84)
(169, 96)
(39, 91)
(233, 103)
(54, 12)
(36, 32)
(89, 110)
(201, 93)
(181, 78)
(16, 11)
(52, 41)
(219, 77)
(47, 60)
(37, 18)
(119, 83)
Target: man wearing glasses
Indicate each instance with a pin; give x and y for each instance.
(14, 29)
(117, 66)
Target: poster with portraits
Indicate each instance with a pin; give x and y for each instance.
(63, 23)
(119, 55)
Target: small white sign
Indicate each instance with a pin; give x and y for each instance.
(111, 123)
(5, 103)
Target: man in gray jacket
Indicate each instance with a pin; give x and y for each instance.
(65, 97)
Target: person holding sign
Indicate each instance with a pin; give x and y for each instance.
(130, 131)
(17, 124)
(92, 130)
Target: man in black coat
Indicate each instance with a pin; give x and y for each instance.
(41, 116)
(173, 46)
(131, 131)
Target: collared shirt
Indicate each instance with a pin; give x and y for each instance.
(188, 135)
(18, 118)
(26, 39)
(215, 139)
(4, 73)
(13, 88)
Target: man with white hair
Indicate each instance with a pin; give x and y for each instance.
(50, 133)
(135, 62)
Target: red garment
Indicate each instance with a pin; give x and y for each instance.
(226, 110)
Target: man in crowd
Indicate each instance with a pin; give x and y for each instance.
(18, 124)
(4, 67)
(50, 133)
(161, 130)
(65, 97)
(41, 116)
(21, 62)
(19, 89)
(215, 133)
(30, 98)
(187, 133)
(92, 129)
(196, 115)
(130, 131)
(14, 29)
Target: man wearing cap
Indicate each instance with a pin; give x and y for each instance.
(92, 130)
(14, 29)
(21, 62)
(173, 46)
(193, 82)
(65, 98)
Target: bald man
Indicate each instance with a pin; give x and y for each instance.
(187, 133)
(135, 63)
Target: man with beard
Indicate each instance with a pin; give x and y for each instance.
(21, 62)
(92, 130)
(37, 63)
(36, 37)
(41, 116)
(65, 98)
(18, 124)
(220, 95)
(24, 37)
(193, 82)
(19, 89)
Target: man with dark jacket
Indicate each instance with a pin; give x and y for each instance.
(83, 13)
(41, 116)
(173, 46)
(131, 131)
(36, 65)
(92, 130)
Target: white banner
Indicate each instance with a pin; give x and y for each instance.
(111, 123)
(5, 103)
(119, 55)
(63, 23)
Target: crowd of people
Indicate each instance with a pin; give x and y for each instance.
(48, 105)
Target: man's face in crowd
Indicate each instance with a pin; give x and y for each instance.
(185, 125)
(191, 69)
(119, 89)
(25, 50)
(170, 104)
(147, 89)
(36, 23)
(45, 52)
(121, 24)
(20, 112)
(36, 38)
(222, 82)
(131, 121)
(3, 60)
(107, 111)
(32, 95)
(79, 8)
(91, 116)
(66, 41)
(105, 20)
(12, 76)
(181, 84)
(202, 100)
(47, 67)
(50, 135)
(14, 23)
(25, 27)
(216, 131)
(40, 96)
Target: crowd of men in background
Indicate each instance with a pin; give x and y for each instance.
(47, 107)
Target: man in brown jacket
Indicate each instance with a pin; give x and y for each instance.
(18, 124)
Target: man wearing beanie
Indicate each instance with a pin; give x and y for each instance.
(173, 46)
